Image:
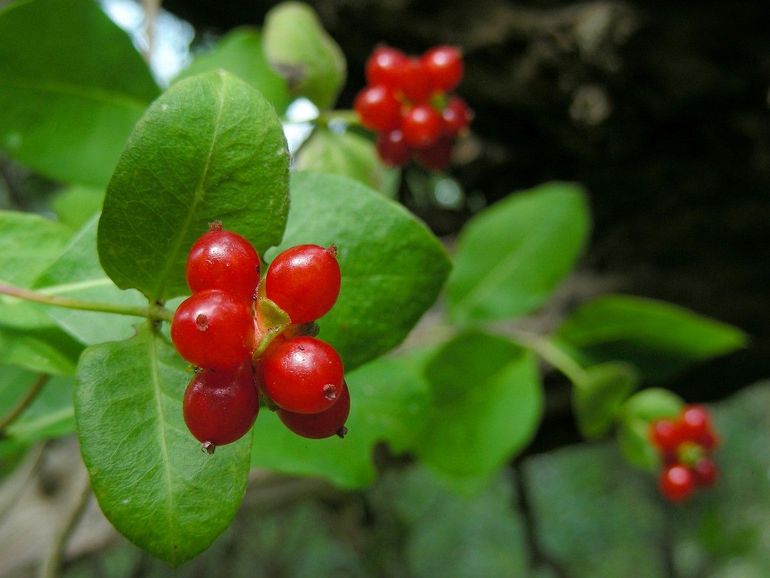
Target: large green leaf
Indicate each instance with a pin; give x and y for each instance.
(77, 274)
(486, 405)
(210, 148)
(28, 339)
(511, 256)
(388, 397)
(148, 472)
(659, 338)
(299, 48)
(240, 52)
(347, 154)
(49, 415)
(73, 86)
(392, 265)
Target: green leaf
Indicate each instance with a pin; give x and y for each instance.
(148, 472)
(76, 204)
(77, 274)
(73, 88)
(597, 399)
(28, 339)
(298, 47)
(240, 53)
(392, 265)
(635, 417)
(347, 154)
(511, 256)
(210, 148)
(660, 339)
(50, 415)
(388, 401)
(486, 405)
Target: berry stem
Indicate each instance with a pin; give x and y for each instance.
(154, 312)
(28, 397)
(348, 117)
(552, 354)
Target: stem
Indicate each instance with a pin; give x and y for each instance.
(349, 117)
(52, 563)
(27, 398)
(155, 312)
(552, 354)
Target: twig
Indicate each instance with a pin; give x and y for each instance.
(52, 563)
(28, 397)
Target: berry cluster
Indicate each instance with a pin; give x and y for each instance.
(685, 445)
(407, 103)
(219, 330)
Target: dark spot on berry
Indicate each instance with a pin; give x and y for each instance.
(202, 322)
(208, 447)
(342, 432)
(330, 392)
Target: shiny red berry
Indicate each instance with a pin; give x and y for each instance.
(320, 425)
(221, 406)
(303, 375)
(456, 116)
(444, 66)
(694, 422)
(437, 156)
(384, 66)
(378, 108)
(676, 483)
(705, 471)
(304, 281)
(213, 329)
(223, 260)
(392, 148)
(421, 126)
(665, 435)
(414, 82)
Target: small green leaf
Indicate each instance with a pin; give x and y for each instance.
(658, 338)
(73, 88)
(388, 399)
(77, 274)
(486, 405)
(148, 472)
(634, 430)
(50, 415)
(347, 154)
(210, 148)
(240, 52)
(76, 204)
(511, 256)
(597, 399)
(27, 337)
(298, 48)
(392, 265)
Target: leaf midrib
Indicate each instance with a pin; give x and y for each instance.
(198, 194)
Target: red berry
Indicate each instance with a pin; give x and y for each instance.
(437, 156)
(413, 81)
(708, 441)
(456, 116)
(694, 422)
(213, 329)
(665, 434)
(392, 148)
(384, 66)
(676, 483)
(421, 126)
(444, 65)
(705, 471)
(304, 281)
(378, 108)
(220, 406)
(223, 260)
(320, 425)
(303, 375)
